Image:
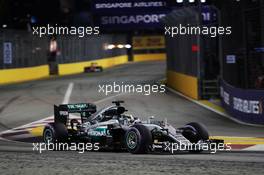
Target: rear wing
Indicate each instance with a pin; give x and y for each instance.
(61, 112)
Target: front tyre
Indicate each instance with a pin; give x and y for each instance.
(195, 132)
(138, 139)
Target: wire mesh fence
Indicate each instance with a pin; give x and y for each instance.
(180, 57)
(21, 49)
(73, 49)
(25, 50)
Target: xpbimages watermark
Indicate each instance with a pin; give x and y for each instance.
(51, 30)
(80, 147)
(208, 147)
(211, 31)
(145, 89)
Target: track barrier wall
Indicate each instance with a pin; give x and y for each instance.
(23, 74)
(28, 57)
(27, 54)
(148, 48)
(149, 57)
(183, 68)
(244, 105)
(188, 85)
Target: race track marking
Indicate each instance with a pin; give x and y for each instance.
(28, 127)
(240, 140)
(242, 143)
(255, 148)
(68, 93)
(35, 129)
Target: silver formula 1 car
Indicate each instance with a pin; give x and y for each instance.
(114, 129)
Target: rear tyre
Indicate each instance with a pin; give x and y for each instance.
(138, 139)
(55, 132)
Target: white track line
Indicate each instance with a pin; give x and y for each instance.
(68, 93)
(66, 100)
(255, 148)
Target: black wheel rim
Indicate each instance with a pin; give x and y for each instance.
(132, 140)
(48, 136)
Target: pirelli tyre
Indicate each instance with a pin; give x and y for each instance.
(138, 139)
(195, 132)
(55, 132)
